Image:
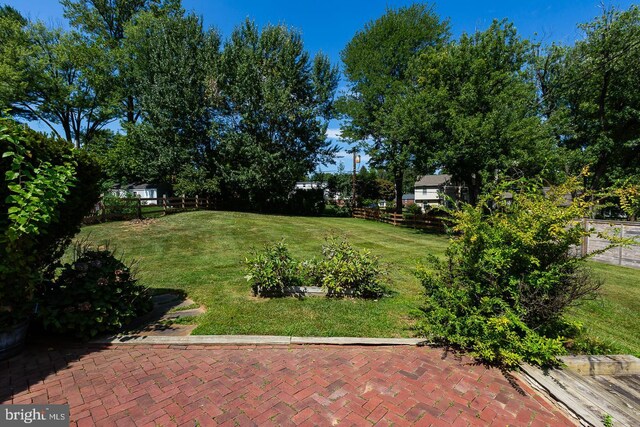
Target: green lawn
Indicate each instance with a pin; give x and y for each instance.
(202, 253)
(615, 315)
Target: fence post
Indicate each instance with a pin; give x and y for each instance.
(139, 208)
(585, 239)
(620, 247)
(164, 203)
(183, 196)
(103, 209)
(197, 205)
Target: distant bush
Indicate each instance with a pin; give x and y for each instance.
(510, 275)
(95, 294)
(272, 270)
(120, 208)
(306, 202)
(337, 211)
(411, 211)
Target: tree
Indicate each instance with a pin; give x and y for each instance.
(481, 108)
(376, 64)
(14, 49)
(67, 82)
(173, 57)
(597, 93)
(104, 21)
(272, 103)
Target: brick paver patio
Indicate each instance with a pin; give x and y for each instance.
(295, 385)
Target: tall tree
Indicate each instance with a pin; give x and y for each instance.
(599, 96)
(273, 103)
(482, 107)
(67, 82)
(104, 21)
(14, 49)
(173, 58)
(376, 64)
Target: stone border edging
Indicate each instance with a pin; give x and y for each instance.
(254, 340)
(613, 364)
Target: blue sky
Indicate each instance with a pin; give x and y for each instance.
(328, 25)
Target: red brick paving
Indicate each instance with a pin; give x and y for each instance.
(296, 385)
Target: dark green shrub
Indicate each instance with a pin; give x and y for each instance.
(46, 189)
(272, 270)
(411, 211)
(510, 274)
(95, 294)
(120, 208)
(345, 270)
(336, 211)
(306, 202)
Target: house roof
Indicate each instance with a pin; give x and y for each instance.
(432, 180)
(134, 186)
(408, 196)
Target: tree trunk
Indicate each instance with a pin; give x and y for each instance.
(131, 114)
(475, 184)
(398, 180)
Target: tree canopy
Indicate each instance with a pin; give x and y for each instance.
(272, 103)
(376, 65)
(593, 95)
(481, 109)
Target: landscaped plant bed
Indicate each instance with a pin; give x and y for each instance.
(342, 271)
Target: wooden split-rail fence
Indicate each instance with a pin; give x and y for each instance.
(127, 208)
(423, 222)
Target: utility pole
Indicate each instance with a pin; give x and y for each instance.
(356, 159)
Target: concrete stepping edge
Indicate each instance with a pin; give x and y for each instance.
(255, 340)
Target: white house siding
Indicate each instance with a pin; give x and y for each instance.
(427, 196)
(146, 193)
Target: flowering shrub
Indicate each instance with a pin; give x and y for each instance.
(95, 294)
(510, 274)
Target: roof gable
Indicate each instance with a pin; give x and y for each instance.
(432, 180)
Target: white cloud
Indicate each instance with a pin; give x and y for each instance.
(334, 134)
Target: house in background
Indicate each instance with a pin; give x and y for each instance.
(316, 185)
(408, 199)
(435, 190)
(142, 190)
(310, 185)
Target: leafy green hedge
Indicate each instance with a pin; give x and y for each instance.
(46, 187)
